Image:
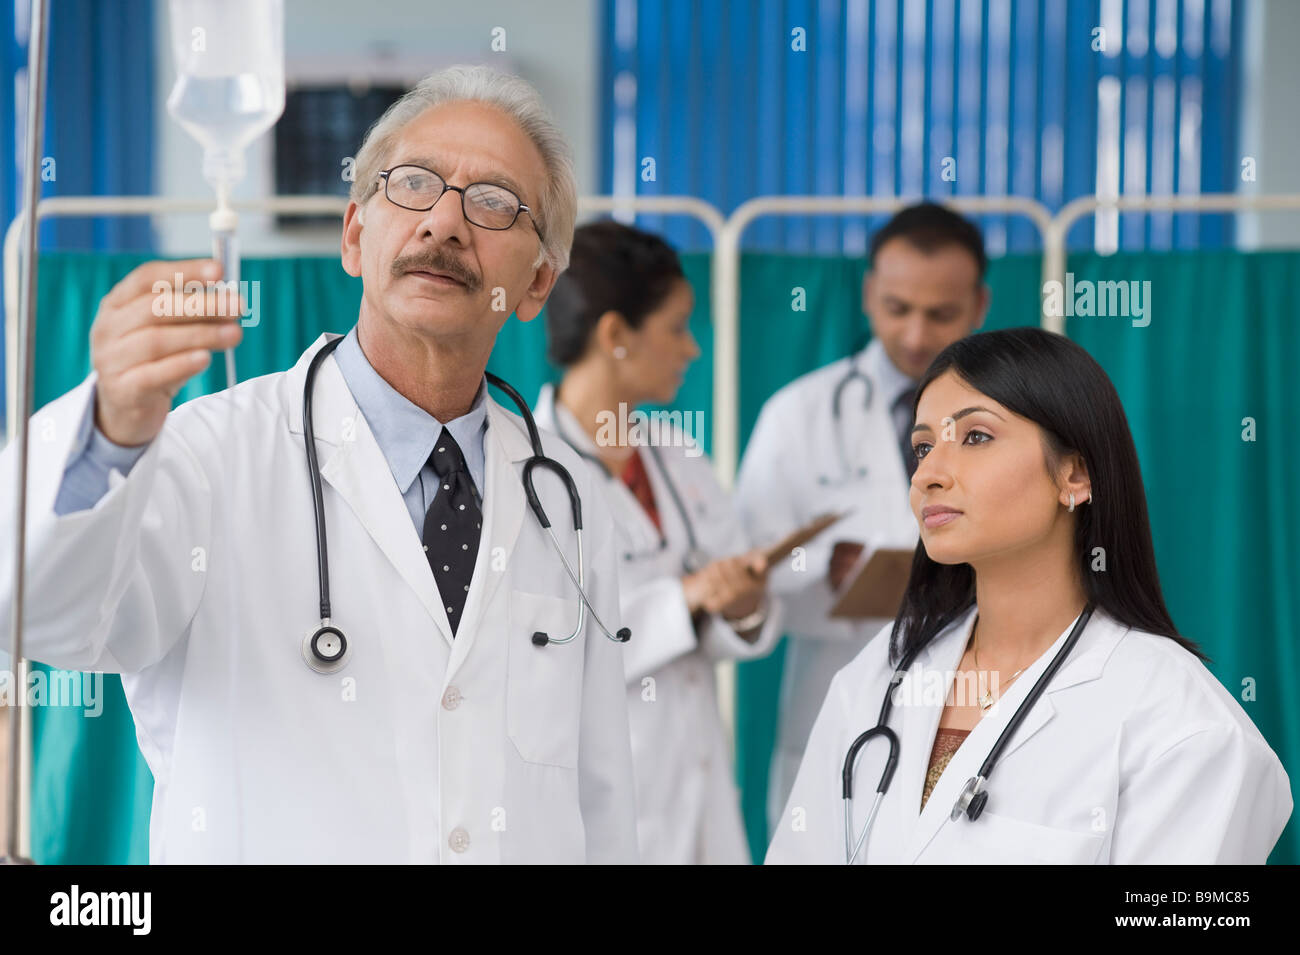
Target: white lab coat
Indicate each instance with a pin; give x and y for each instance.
(687, 803)
(790, 474)
(1134, 753)
(196, 579)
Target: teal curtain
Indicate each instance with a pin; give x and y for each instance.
(1222, 337)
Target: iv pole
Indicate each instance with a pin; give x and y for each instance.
(25, 366)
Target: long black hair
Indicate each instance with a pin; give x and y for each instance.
(1057, 385)
(612, 267)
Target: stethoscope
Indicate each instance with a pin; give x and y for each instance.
(696, 557)
(326, 650)
(973, 795)
(847, 472)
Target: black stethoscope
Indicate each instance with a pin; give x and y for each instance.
(696, 558)
(973, 795)
(847, 473)
(326, 650)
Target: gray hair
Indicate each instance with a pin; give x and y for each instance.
(557, 207)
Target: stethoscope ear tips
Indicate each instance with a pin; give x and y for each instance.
(540, 639)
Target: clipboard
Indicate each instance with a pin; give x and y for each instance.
(801, 536)
(877, 588)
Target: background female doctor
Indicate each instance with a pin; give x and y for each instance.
(617, 323)
(1030, 505)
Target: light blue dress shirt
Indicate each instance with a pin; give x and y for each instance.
(893, 384)
(404, 432)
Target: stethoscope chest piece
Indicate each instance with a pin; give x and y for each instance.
(325, 650)
(695, 560)
(970, 801)
(973, 797)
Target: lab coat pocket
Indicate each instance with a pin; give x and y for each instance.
(1003, 840)
(544, 692)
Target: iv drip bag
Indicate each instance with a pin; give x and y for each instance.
(229, 88)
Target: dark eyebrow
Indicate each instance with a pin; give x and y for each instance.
(961, 414)
(496, 179)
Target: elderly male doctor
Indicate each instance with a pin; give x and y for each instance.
(839, 439)
(448, 735)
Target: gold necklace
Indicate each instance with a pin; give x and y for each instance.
(986, 697)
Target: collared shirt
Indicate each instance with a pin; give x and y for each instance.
(85, 479)
(404, 432)
(893, 384)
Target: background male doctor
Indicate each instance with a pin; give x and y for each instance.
(448, 736)
(924, 288)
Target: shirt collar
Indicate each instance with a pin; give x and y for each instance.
(892, 382)
(404, 431)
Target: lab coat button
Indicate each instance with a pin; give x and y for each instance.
(451, 699)
(459, 840)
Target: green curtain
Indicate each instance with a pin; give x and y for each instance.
(1221, 337)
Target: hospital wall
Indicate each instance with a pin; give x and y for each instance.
(556, 46)
(1270, 130)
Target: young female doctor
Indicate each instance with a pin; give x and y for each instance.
(1034, 534)
(691, 592)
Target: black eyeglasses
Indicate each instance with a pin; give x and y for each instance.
(484, 204)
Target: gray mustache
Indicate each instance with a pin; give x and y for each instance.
(438, 261)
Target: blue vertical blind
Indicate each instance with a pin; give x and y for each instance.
(1048, 99)
(99, 114)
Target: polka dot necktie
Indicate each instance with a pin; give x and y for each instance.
(452, 527)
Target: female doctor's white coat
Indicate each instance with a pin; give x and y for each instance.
(1134, 753)
(195, 578)
(687, 806)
